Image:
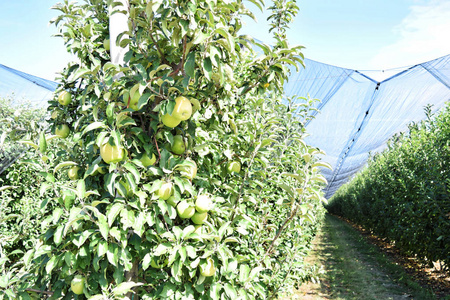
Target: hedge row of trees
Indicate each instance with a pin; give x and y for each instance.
(404, 193)
(18, 182)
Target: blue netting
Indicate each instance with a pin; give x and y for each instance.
(25, 87)
(358, 114)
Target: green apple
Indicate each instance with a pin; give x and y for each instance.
(64, 98)
(147, 161)
(107, 44)
(183, 108)
(178, 146)
(208, 269)
(199, 218)
(77, 284)
(112, 154)
(185, 210)
(195, 104)
(165, 191)
(73, 173)
(173, 201)
(62, 130)
(134, 97)
(203, 203)
(233, 166)
(170, 121)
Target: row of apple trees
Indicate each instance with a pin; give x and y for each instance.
(404, 193)
(22, 210)
(189, 177)
(18, 204)
(18, 201)
(17, 120)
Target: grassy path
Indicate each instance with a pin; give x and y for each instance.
(355, 269)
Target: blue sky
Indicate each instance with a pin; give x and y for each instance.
(356, 34)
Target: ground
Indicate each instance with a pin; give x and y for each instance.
(355, 268)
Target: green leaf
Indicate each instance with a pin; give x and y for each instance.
(113, 254)
(48, 176)
(162, 249)
(176, 270)
(64, 164)
(81, 189)
(51, 264)
(207, 67)
(143, 100)
(42, 143)
(244, 270)
(123, 120)
(223, 229)
(102, 248)
(146, 261)
(28, 257)
(113, 212)
(93, 126)
(57, 213)
(189, 65)
(125, 287)
(79, 73)
(30, 143)
(130, 167)
(187, 231)
(6, 187)
(254, 273)
(199, 38)
(110, 182)
(81, 239)
(230, 291)
(103, 225)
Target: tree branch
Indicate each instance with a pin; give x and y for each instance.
(40, 292)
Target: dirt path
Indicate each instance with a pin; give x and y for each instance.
(350, 268)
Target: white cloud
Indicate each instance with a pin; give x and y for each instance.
(423, 35)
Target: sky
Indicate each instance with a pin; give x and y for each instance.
(355, 34)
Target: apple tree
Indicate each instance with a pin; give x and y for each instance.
(192, 179)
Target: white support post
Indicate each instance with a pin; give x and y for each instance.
(118, 23)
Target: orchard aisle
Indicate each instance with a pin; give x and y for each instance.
(351, 270)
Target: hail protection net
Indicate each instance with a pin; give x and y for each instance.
(359, 114)
(20, 88)
(23, 87)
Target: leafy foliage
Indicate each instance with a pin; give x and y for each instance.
(403, 194)
(18, 121)
(22, 210)
(117, 228)
(18, 204)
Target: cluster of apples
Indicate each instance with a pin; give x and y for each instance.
(198, 213)
(181, 112)
(62, 130)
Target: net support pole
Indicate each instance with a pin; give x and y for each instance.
(118, 23)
